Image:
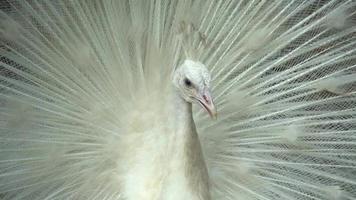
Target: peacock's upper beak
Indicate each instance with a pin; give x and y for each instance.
(205, 100)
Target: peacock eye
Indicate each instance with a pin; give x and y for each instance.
(187, 82)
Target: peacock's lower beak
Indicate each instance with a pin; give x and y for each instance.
(205, 100)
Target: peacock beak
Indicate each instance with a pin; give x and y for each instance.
(205, 100)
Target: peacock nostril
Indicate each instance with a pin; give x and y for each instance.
(205, 98)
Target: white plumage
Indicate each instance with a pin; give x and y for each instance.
(95, 103)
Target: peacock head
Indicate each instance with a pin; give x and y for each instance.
(192, 79)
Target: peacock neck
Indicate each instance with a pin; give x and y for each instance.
(183, 117)
(188, 155)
